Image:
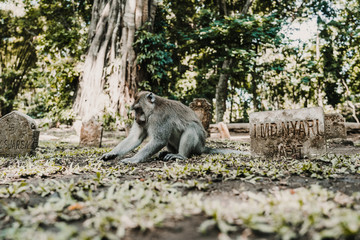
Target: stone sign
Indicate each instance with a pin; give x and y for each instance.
(91, 134)
(202, 108)
(288, 133)
(335, 126)
(19, 134)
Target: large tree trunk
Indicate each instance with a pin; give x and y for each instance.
(109, 79)
(221, 91)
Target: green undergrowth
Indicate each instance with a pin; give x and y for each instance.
(106, 209)
(68, 193)
(205, 167)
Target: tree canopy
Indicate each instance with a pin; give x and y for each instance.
(185, 51)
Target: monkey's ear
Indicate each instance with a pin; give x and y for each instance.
(151, 97)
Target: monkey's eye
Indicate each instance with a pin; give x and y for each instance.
(138, 110)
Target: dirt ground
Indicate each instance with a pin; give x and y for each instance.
(225, 183)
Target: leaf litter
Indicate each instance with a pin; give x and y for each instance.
(65, 192)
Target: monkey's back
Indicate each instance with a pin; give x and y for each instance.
(182, 116)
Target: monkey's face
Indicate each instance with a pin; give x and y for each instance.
(143, 106)
(140, 117)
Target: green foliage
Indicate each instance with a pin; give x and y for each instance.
(46, 42)
(241, 38)
(115, 121)
(17, 55)
(154, 54)
(60, 46)
(54, 90)
(180, 54)
(270, 70)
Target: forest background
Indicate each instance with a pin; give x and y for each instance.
(57, 57)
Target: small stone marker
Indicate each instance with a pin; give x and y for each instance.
(224, 131)
(202, 108)
(335, 126)
(288, 133)
(91, 134)
(19, 134)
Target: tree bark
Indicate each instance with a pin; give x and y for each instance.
(109, 79)
(246, 6)
(221, 92)
(350, 103)
(222, 85)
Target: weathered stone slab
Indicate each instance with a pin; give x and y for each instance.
(91, 134)
(335, 126)
(288, 133)
(19, 134)
(202, 108)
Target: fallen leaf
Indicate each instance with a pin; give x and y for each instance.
(75, 206)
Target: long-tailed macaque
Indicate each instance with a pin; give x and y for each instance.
(167, 123)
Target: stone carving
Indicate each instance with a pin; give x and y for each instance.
(202, 108)
(19, 134)
(288, 133)
(335, 126)
(91, 134)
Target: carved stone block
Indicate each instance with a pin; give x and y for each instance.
(288, 133)
(202, 108)
(335, 126)
(19, 134)
(91, 134)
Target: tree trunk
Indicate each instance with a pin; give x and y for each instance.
(221, 88)
(246, 6)
(221, 92)
(349, 102)
(109, 79)
(254, 91)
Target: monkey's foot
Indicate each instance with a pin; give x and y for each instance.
(171, 156)
(163, 154)
(108, 156)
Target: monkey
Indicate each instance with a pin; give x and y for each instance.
(167, 123)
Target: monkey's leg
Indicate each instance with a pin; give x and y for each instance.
(190, 143)
(170, 149)
(154, 146)
(135, 138)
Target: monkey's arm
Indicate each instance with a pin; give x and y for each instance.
(136, 137)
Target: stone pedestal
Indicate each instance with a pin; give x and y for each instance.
(19, 134)
(91, 134)
(202, 108)
(335, 126)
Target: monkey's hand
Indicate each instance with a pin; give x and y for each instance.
(171, 156)
(108, 156)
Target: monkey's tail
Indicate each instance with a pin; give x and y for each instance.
(224, 151)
